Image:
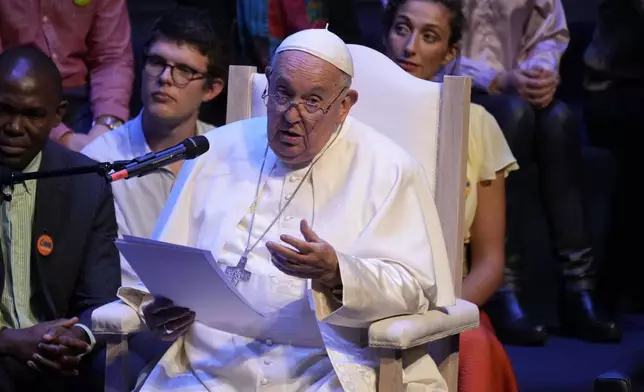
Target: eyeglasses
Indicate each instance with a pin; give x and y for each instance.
(182, 75)
(312, 110)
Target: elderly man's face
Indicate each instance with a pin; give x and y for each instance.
(308, 99)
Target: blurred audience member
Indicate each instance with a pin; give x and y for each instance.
(263, 24)
(422, 36)
(221, 14)
(512, 49)
(89, 40)
(614, 84)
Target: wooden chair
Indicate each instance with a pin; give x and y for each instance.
(431, 121)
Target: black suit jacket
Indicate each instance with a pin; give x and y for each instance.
(83, 270)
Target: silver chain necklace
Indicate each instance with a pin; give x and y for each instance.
(239, 273)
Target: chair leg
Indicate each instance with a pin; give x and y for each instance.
(445, 353)
(116, 367)
(390, 375)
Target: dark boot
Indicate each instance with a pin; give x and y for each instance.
(578, 314)
(511, 324)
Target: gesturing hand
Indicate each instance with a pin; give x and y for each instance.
(314, 259)
(166, 320)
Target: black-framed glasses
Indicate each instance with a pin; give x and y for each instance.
(181, 74)
(312, 110)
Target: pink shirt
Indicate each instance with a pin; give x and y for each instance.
(89, 44)
(502, 35)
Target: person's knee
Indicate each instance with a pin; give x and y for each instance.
(557, 125)
(520, 111)
(510, 111)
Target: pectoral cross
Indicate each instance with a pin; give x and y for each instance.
(237, 273)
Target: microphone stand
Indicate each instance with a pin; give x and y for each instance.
(14, 178)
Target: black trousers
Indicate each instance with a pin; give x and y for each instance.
(614, 121)
(548, 138)
(16, 376)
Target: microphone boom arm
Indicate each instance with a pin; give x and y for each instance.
(17, 177)
(138, 167)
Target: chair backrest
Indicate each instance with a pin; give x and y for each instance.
(430, 120)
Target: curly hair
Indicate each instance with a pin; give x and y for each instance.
(455, 7)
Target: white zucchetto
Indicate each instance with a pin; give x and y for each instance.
(322, 44)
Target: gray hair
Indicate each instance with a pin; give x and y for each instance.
(346, 80)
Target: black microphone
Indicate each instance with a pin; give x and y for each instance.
(138, 167)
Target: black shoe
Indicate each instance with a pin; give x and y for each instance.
(579, 318)
(512, 326)
(578, 313)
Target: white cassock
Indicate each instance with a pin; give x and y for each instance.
(366, 197)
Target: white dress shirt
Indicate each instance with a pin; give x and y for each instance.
(137, 201)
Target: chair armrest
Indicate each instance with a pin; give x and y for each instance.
(116, 318)
(403, 332)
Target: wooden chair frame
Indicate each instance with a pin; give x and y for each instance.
(449, 195)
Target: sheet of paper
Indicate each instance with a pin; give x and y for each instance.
(191, 278)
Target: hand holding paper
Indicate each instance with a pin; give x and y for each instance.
(166, 320)
(188, 285)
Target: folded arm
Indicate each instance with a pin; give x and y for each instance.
(110, 60)
(546, 36)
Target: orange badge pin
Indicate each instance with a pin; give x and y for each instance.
(45, 245)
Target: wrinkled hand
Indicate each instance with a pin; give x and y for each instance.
(536, 86)
(540, 88)
(314, 258)
(23, 343)
(61, 349)
(166, 320)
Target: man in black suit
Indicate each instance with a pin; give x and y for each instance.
(58, 260)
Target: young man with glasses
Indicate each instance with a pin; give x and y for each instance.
(183, 68)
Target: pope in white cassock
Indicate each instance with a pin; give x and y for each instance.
(322, 222)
